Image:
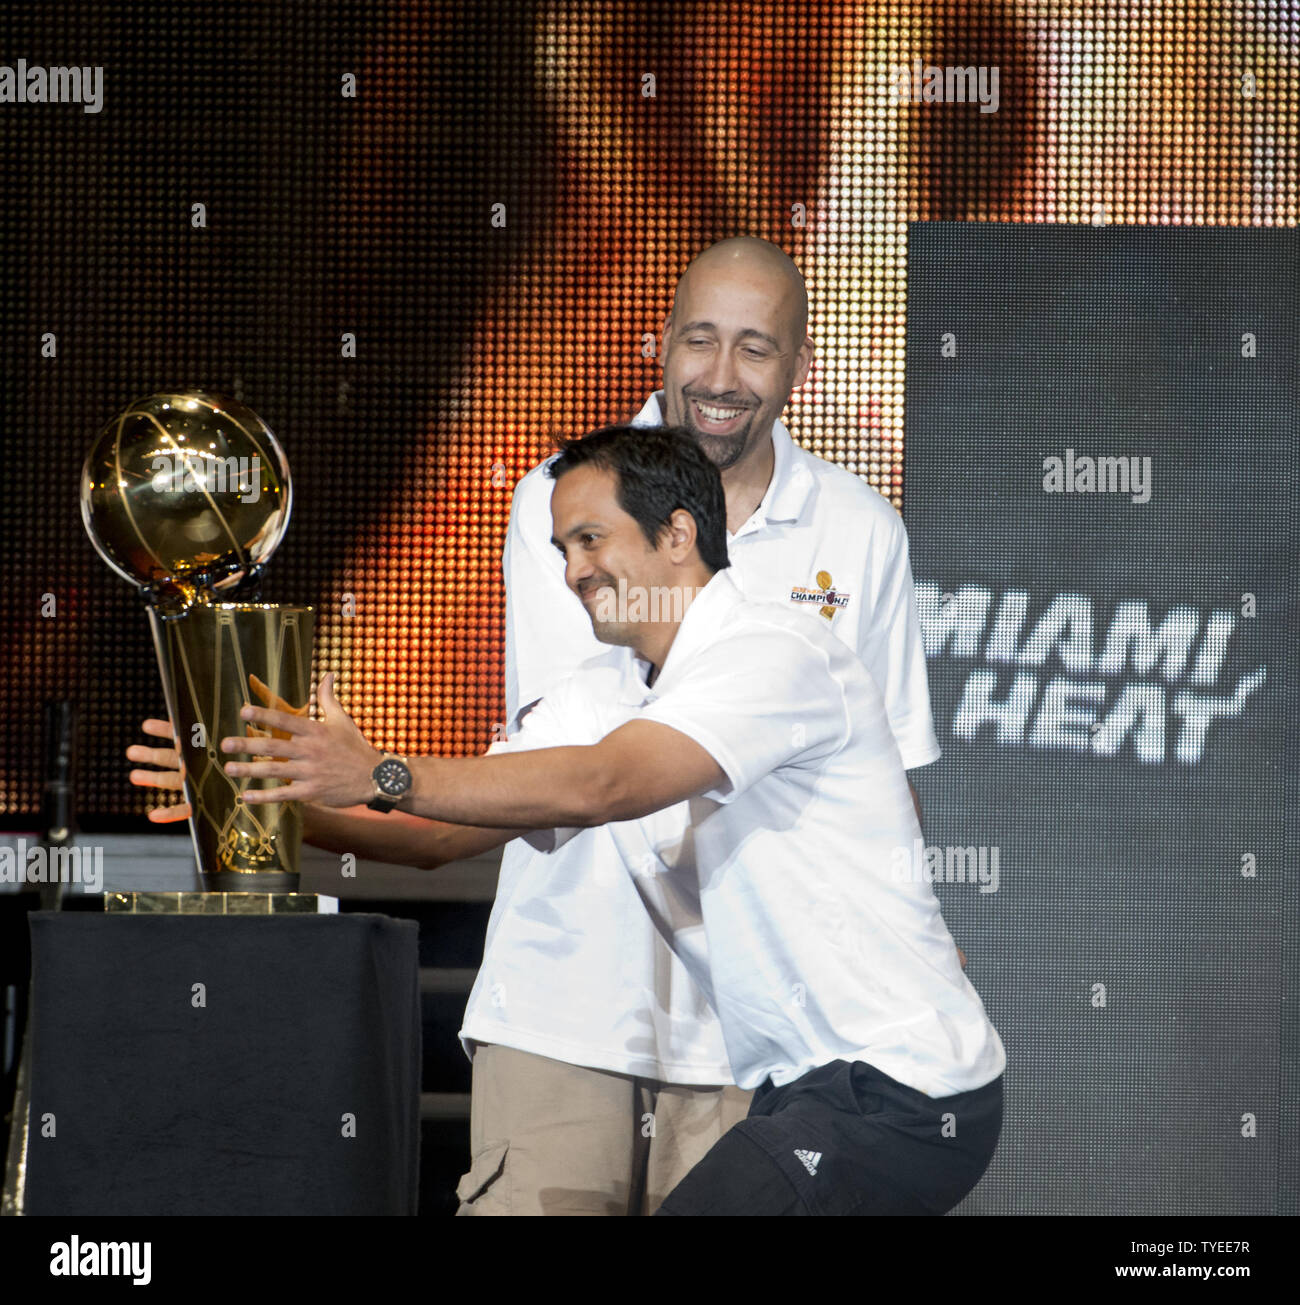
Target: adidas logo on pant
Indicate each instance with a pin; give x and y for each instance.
(810, 1160)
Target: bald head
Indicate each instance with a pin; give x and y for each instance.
(756, 259)
(735, 345)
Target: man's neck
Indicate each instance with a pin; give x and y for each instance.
(746, 481)
(655, 639)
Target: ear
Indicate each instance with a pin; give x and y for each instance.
(682, 534)
(803, 362)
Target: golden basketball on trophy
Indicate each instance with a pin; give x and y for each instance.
(186, 496)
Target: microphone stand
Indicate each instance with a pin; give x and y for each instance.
(58, 827)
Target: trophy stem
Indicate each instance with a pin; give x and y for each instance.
(216, 659)
(169, 697)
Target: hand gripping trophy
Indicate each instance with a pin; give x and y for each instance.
(186, 496)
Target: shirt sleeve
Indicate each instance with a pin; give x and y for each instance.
(543, 727)
(548, 632)
(893, 651)
(757, 702)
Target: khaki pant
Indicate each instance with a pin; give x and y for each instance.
(551, 1138)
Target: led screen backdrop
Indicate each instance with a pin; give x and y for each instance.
(1103, 443)
(421, 238)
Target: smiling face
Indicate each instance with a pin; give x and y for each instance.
(734, 347)
(603, 545)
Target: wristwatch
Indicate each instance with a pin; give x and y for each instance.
(392, 780)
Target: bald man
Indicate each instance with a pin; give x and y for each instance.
(599, 1072)
(600, 1075)
(731, 391)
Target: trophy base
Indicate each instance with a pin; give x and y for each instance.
(264, 881)
(217, 903)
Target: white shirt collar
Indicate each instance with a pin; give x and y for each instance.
(703, 618)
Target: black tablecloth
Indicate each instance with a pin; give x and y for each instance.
(151, 1094)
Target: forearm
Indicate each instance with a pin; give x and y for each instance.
(394, 837)
(546, 788)
(640, 767)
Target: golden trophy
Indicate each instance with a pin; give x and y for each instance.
(186, 496)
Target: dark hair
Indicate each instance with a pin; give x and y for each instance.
(659, 469)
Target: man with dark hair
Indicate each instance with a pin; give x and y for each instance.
(742, 760)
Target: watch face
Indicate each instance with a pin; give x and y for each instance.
(392, 777)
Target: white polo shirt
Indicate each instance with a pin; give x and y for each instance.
(570, 969)
(777, 888)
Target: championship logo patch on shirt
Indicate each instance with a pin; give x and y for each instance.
(826, 596)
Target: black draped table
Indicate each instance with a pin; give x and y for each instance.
(195, 1064)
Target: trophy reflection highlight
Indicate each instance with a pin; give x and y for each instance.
(186, 496)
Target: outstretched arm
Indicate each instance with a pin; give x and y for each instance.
(396, 838)
(636, 769)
